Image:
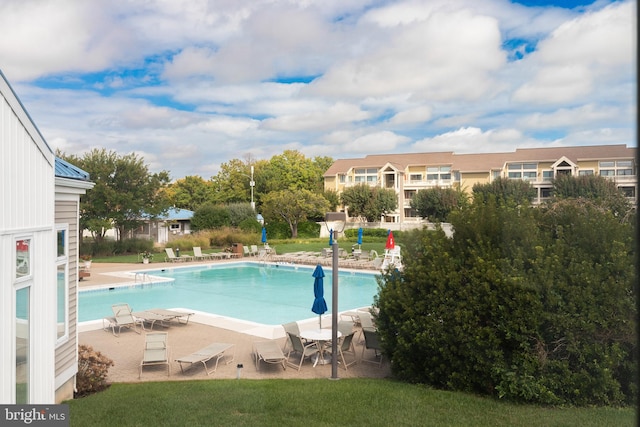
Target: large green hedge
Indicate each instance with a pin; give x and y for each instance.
(531, 305)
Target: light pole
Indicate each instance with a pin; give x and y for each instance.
(339, 218)
(252, 184)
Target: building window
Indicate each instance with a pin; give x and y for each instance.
(616, 168)
(23, 344)
(545, 192)
(341, 178)
(409, 194)
(547, 175)
(629, 192)
(369, 176)
(587, 172)
(174, 226)
(62, 281)
(23, 258)
(439, 173)
(415, 177)
(524, 171)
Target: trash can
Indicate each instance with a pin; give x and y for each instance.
(237, 248)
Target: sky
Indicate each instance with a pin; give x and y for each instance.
(190, 84)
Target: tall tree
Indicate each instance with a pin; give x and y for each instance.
(293, 207)
(124, 193)
(369, 202)
(505, 190)
(231, 183)
(436, 203)
(190, 192)
(601, 190)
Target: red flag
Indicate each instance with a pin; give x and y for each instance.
(391, 243)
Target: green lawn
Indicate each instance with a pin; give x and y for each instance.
(319, 402)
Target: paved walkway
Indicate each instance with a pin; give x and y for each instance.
(202, 330)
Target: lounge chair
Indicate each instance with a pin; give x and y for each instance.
(294, 328)
(371, 342)
(150, 318)
(268, 352)
(173, 258)
(345, 345)
(254, 250)
(170, 315)
(305, 351)
(122, 318)
(215, 350)
(198, 255)
(246, 250)
(156, 351)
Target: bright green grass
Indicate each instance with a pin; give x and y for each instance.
(319, 402)
(282, 247)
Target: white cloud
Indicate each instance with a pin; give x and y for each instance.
(471, 140)
(377, 142)
(339, 113)
(413, 115)
(593, 46)
(585, 115)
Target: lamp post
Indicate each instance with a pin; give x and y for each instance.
(339, 217)
(252, 184)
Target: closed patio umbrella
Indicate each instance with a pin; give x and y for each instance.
(331, 237)
(264, 235)
(391, 243)
(360, 231)
(319, 304)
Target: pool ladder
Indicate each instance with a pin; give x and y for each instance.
(144, 277)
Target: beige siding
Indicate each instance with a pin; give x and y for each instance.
(66, 213)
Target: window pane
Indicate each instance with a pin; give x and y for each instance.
(23, 267)
(445, 176)
(62, 301)
(22, 345)
(514, 166)
(515, 175)
(360, 171)
(445, 168)
(61, 243)
(607, 172)
(433, 169)
(374, 170)
(530, 166)
(607, 164)
(624, 163)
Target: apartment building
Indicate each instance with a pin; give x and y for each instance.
(408, 173)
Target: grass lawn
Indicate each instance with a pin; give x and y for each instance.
(282, 247)
(318, 402)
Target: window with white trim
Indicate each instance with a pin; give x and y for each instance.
(616, 168)
(439, 173)
(366, 175)
(524, 171)
(62, 283)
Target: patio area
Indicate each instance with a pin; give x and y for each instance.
(126, 349)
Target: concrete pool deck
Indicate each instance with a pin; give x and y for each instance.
(202, 330)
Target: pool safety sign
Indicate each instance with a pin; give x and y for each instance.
(34, 415)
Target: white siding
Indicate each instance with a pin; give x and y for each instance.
(26, 209)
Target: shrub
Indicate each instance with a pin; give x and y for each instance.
(93, 367)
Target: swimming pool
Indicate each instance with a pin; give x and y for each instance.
(267, 294)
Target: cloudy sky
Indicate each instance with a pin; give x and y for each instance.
(191, 84)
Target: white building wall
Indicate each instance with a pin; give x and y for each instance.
(26, 210)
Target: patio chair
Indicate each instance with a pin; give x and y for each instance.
(156, 351)
(198, 255)
(371, 342)
(254, 250)
(305, 351)
(246, 250)
(345, 345)
(293, 328)
(171, 256)
(123, 318)
(215, 350)
(268, 352)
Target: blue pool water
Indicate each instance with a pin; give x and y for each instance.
(268, 294)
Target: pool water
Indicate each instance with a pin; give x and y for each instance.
(267, 294)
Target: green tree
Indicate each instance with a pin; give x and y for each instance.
(292, 170)
(513, 190)
(239, 212)
(369, 202)
(210, 216)
(602, 190)
(293, 207)
(532, 305)
(190, 192)
(124, 193)
(232, 183)
(436, 203)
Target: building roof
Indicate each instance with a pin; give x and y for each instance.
(484, 162)
(175, 214)
(67, 170)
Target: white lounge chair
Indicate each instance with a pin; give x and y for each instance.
(215, 350)
(122, 318)
(268, 352)
(198, 255)
(156, 351)
(171, 256)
